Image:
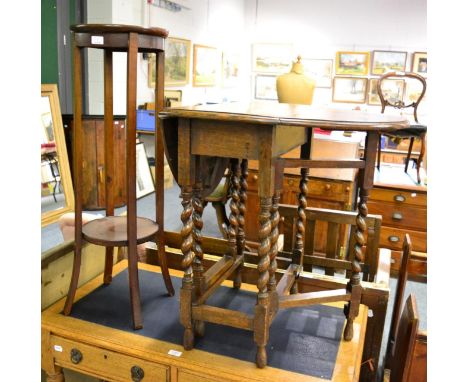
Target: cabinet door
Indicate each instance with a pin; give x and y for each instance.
(90, 163)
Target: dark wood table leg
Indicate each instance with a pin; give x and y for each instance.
(236, 235)
(298, 251)
(198, 277)
(366, 180)
(109, 154)
(187, 260)
(78, 179)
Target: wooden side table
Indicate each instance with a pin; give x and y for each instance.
(261, 132)
(112, 231)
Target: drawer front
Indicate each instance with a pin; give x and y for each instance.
(189, 376)
(104, 363)
(399, 197)
(400, 216)
(417, 266)
(393, 238)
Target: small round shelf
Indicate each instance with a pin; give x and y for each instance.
(111, 231)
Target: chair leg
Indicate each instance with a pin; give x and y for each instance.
(108, 265)
(74, 281)
(408, 157)
(421, 156)
(379, 151)
(221, 217)
(165, 270)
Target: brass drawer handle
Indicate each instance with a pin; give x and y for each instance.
(137, 373)
(393, 239)
(327, 187)
(255, 177)
(399, 198)
(397, 216)
(76, 356)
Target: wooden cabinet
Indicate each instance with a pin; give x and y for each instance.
(322, 193)
(403, 210)
(93, 159)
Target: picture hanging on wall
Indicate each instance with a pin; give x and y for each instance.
(230, 70)
(176, 63)
(420, 63)
(205, 65)
(144, 179)
(321, 70)
(265, 87)
(393, 90)
(272, 58)
(352, 63)
(349, 89)
(388, 61)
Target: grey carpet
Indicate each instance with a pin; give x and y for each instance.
(302, 340)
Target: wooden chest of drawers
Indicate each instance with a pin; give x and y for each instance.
(403, 210)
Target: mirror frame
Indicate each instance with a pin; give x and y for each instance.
(51, 91)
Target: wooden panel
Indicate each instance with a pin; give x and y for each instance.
(408, 217)
(418, 371)
(393, 195)
(90, 191)
(100, 362)
(214, 138)
(325, 189)
(389, 234)
(417, 267)
(287, 138)
(100, 164)
(186, 376)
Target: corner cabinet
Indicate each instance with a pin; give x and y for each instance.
(93, 159)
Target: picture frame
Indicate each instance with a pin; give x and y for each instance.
(419, 64)
(144, 178)
(320, 69)
(384, 61)
(206, 62)
(413, 89)
(172, 98)
(349, 89)
(393, 89)
(352, 63)
(272, 58)
(230, 69)
(176, 63)
(265, 87)
(53, 145)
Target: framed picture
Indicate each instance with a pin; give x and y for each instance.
(230, 70)
(413, 90)
(172, 98)
(265, 87)
(319, 69)
(272, 58)
(393, 90)
(419, 63)
(176, 63)
(144, 179)
(349, 89)
(205, 65)
(352, 63)
(388, 61)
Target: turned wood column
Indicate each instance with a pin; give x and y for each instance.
(366, 181)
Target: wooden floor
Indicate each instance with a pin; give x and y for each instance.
(192, 365)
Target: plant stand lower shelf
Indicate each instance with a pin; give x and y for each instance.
(99, 341)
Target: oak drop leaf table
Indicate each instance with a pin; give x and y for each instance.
(198, 141)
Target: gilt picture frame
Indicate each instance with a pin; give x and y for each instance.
(384, 61)
(349, 89)
(352, 63)
(419, 64)
(206, 63)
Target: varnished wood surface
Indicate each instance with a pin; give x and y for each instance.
(112, 230)
(152, 355)
(262, 113)
(118, 28)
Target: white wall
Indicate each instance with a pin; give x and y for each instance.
(316, 28)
